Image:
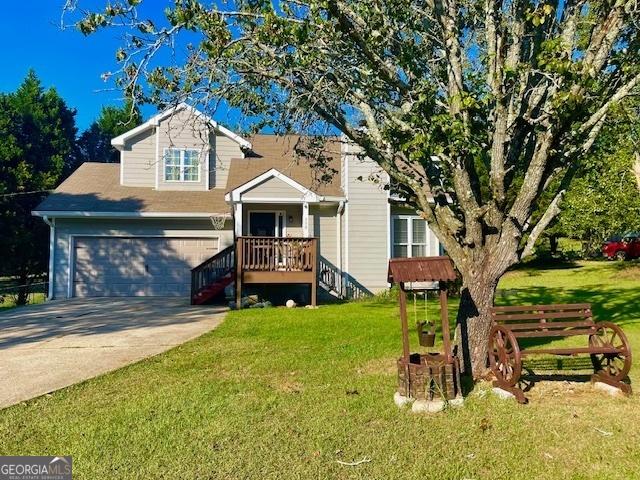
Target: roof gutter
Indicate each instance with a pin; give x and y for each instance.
(122, 215)
(333, 199)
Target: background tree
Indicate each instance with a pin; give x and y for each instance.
(603, 200)
(37, 136)
(94, 144)
(491, 104)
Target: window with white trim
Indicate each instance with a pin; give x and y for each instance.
(181, 165)
(409, 236)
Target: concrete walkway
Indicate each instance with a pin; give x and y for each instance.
(56, 344)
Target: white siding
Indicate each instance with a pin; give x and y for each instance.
(66, 229)
(184, 130)
(366, 221)
(323, 225)
(223, 151)
(272, 188)
(143, 159)
(139, 160)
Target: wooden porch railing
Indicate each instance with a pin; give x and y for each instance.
(276, 260)
(277, 254)
(212, 269)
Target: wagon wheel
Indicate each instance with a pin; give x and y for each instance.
(504, 355)
(615, 365)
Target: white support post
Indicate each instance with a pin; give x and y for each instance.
(305, 219)
(52, 254)
(237, 216)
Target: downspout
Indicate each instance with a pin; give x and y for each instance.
(52, 253)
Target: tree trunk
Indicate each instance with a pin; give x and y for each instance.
(23, 289)
(474, 319)
(553, 244)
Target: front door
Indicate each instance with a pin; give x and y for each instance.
(266, 224)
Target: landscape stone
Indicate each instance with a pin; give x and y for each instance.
(428, 406)
(502, 394)
(402, 401)
(290, 303)
(605, 387)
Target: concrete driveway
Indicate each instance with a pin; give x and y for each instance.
(56, 344)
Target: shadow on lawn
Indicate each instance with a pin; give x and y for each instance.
(619, 305)
(547, 264)
(528, 380)
(570, 369)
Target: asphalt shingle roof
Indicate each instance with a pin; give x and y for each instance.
(95, 187)
(271, 151)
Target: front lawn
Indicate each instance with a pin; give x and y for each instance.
(288, 393)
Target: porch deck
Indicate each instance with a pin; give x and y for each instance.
(258, 260)
(269, 260)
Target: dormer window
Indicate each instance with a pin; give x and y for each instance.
(181, 165)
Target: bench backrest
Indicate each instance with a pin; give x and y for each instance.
(555, 320)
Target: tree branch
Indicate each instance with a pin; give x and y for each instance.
(552, 211)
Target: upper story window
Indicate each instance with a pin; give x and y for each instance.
(181, 165)
(409, 236)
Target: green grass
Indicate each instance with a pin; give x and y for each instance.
(285, 393)
(8, 290)
(34, 299)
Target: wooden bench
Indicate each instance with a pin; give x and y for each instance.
(607, 344)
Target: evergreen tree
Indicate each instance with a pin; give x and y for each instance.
(37, 138)
(95, 143)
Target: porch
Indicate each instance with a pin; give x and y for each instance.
(276, 260)
(277, 240)
(257, 260)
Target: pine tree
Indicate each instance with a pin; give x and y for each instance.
(37, 138)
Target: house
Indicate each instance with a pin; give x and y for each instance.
(191, 199)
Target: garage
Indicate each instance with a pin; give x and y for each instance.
(137, 266)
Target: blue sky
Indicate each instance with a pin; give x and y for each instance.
(30, 36)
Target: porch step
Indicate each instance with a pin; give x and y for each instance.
(212, 290)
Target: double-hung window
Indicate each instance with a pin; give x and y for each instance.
(410, 236)
(181, 165)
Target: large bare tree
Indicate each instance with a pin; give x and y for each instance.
(479, 110)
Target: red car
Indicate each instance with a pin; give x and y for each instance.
(622, 247)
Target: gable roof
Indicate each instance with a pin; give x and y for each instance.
(420, 269)
(305, 193)
(273, 152)
(94, 190)
(154, 121)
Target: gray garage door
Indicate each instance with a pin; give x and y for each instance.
(136, 266)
